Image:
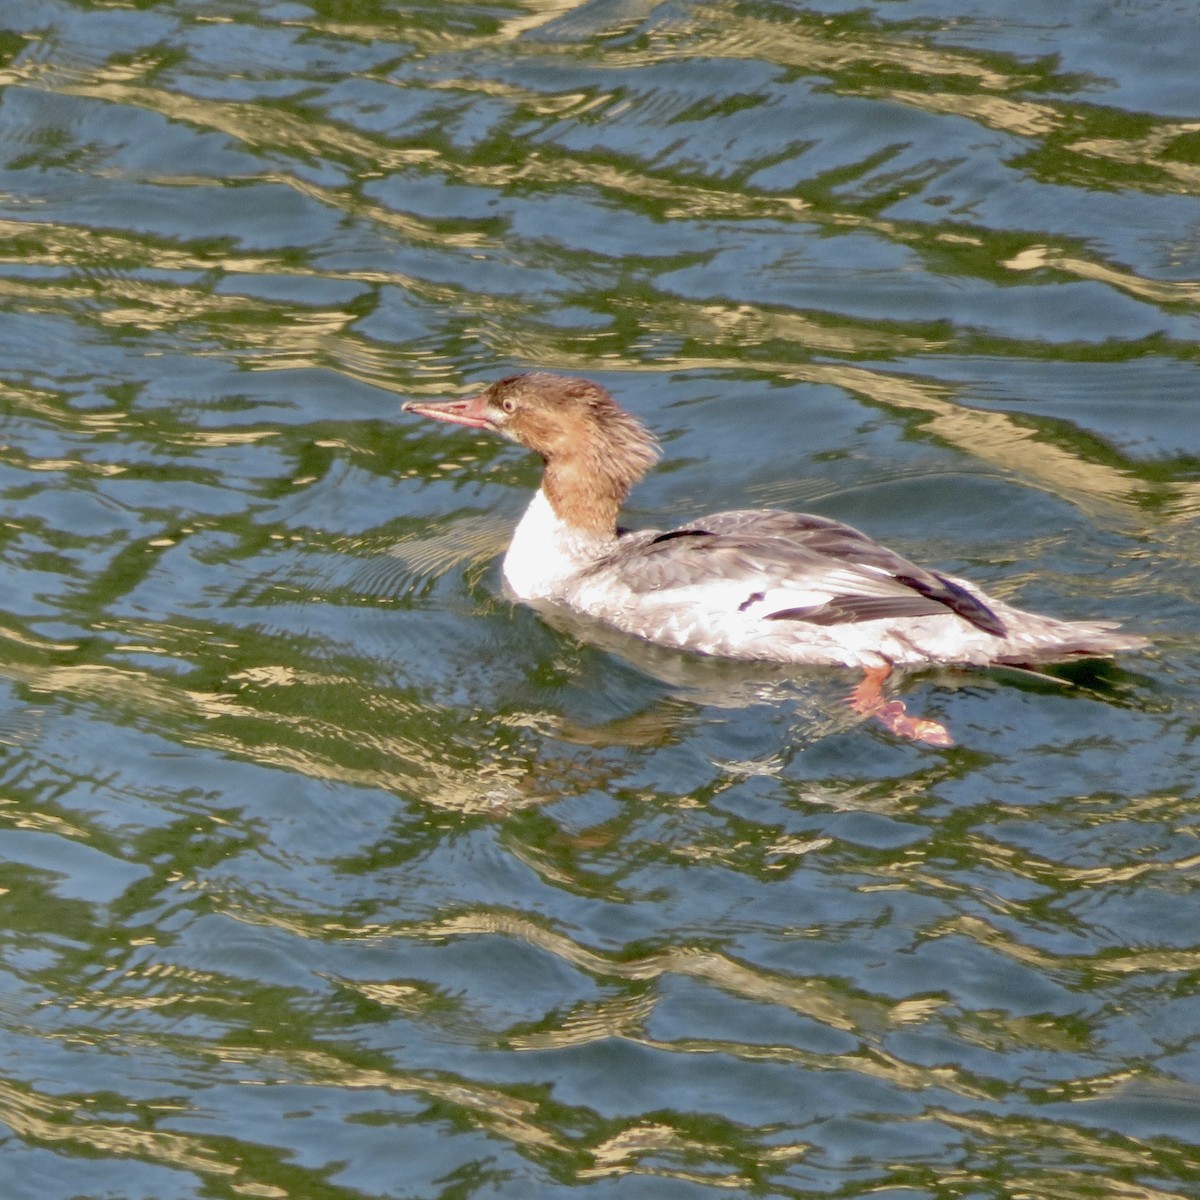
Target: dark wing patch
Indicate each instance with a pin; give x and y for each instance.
(957, 599)
(679, 533)
(849, 610)
(753, 598)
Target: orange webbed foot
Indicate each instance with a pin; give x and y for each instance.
(867, 698)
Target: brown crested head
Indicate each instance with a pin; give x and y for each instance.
(556, 415)
(593, 449)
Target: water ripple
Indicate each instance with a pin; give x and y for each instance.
(329, 871)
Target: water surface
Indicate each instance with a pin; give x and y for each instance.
(325, 871)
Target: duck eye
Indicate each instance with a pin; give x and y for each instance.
(508, 404)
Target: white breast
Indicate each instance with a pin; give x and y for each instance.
(545, 552)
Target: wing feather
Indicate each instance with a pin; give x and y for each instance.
(808, 568)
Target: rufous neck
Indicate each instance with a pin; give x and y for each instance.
(586, 492)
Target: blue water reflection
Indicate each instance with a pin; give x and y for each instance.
(326, 872)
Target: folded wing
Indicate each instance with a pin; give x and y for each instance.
(782, 566)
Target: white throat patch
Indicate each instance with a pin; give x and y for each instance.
(545, 552)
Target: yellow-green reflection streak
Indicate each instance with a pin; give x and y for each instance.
(52, 1120)
(298, 743)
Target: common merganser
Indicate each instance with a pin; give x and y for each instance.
(760, 584)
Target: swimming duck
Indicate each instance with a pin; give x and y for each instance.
(753, 584)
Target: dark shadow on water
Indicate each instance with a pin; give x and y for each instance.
(1103, 679)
